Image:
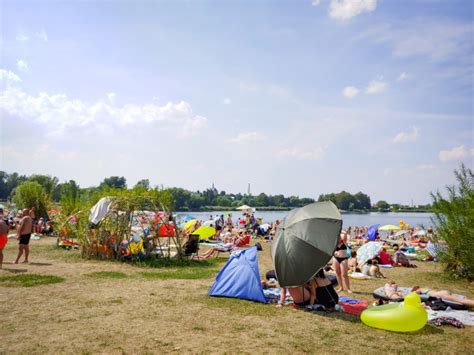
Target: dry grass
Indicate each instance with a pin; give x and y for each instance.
(115, 307)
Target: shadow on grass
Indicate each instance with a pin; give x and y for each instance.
(29, 280)
(180, 274)
(107, 275)
(337, 315)
(41, 264)
(15, 271)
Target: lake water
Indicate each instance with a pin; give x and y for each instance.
(349, 219)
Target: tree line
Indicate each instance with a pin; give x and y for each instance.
(180, 199)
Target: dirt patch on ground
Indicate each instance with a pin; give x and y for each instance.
(132, 313)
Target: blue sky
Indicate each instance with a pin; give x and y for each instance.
(295, 97)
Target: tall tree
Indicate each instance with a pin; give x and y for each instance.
(117, 182)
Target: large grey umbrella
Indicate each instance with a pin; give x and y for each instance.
(305, 242)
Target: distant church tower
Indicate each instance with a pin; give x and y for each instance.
(248, 189)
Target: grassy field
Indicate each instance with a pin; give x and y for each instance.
(60, 303)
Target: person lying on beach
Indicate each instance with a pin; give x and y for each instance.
(240, 241)
(391, 290)
(443, 294)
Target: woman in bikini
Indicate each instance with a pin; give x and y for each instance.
(301, 295)
(340, 263)
(443, 294)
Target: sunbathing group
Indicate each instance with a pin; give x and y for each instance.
(230, 243)
(319, 290)
(393, 292)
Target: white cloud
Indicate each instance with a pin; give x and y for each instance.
(404, 137)
(21, 37)
(350, 92)
(346, 9)
(315, 2)
(8, 78)
(376, 87)
(59, 113)
(247, 137)
(227, 101)
(22, 65)
(455, 153)
(402, 76)
(303, 154)
(111, 96)
(42, 35)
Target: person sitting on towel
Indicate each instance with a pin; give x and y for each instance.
(300, 295)
(443, 294)
(322, 291)
(374, 270)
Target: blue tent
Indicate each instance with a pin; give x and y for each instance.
(239, 278)
(372, 232)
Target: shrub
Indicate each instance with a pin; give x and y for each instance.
(454, 219)
(31, 194)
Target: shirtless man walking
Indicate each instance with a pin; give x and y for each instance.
(3, 235)
(23, 234)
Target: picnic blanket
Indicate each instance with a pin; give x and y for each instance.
(465, 317)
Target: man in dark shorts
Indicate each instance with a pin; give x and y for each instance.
(23, 234)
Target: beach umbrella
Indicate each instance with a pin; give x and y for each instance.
(389, 227)
(372, 231)
(187, 218)
(247, 209)
(204, 232)
(305, 242)
(368, 251)
(419, 233)
(189, 225)
(402, 232)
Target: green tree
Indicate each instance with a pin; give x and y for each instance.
(116, 182)
(145, 183)
(31, 194)
(12, 181)
(69, 197)
(454, 219)
(382, 205)
(48, 182)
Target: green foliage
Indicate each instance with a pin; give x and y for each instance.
(69, 197)
(145, 183)
(180, 274)
(116, 182)
(454, 219)
(8, 183)
(31, 194)
(382, 205)
(348, 202)
(29, 280)
(48, 183)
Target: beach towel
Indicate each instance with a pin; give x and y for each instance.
(466, 317)
(446, 321)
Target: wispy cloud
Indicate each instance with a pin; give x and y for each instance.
(347, 9)
(22, 37)
(22, 65)
(350, 92)
(297, 153)
(455, 153)
(247, 137)
(403, 76)
(376, 87)
(404, 137)
(8, 78)
(42, 35)
(227, 101)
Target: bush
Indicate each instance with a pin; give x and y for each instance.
(454, 219)
(31, 194)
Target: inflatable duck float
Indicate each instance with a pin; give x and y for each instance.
(407, 316)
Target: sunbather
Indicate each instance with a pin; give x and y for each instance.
(374, 270)
(300, 295)
(443, 294)
(391, 290)
(240, 241)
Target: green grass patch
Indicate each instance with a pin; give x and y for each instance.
(180, 274)
(183, 263)
(107, 275)
(29, 280)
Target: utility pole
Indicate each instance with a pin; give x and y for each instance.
(248, 189)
